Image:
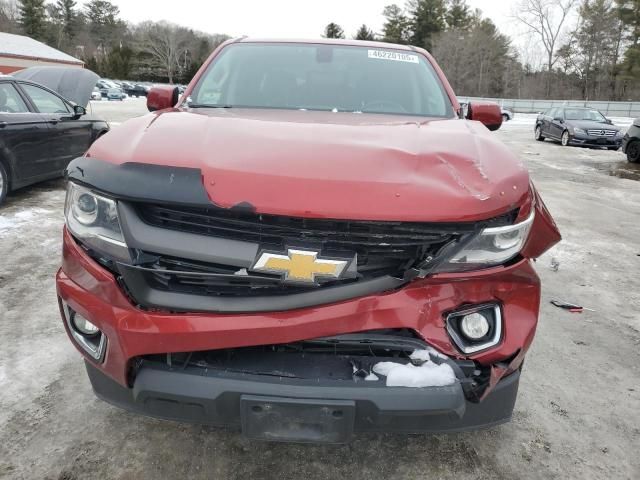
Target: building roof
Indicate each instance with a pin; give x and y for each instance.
(26, 47)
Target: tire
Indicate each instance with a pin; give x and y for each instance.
(4, 183)
(538, 134)
(633, 151)
(565, 138)
(505, 118)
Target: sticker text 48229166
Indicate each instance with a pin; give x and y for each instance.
(393, 56)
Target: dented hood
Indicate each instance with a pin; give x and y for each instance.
(332, 165)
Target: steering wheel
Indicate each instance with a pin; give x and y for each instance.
(395, 107)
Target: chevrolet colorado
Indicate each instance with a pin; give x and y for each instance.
(311, 242)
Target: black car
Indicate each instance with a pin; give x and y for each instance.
(134, 90)
(631, 142)
(40, 131)
(578, 126)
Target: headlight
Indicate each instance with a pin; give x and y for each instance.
(93, 219)
(493, 246)
(579, 131)
(619, 134)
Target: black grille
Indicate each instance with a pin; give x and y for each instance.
(382, 248)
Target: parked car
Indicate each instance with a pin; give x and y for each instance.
(317, 245)
(115, 94)
(135, 90)
(107, 86)
(40, 131)
(631, 142)
(578, 126)
(507, 114)
(96, 94)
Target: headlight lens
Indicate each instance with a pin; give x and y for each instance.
(579, 130)
(93, 219)
(619, 133)
(493, 246)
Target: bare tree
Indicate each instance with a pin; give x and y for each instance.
(546, 19)
(162, 44)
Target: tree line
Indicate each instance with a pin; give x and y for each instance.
(95, 33)
(591, 48)
(588, 49)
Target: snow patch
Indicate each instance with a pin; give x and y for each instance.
(425, 354)
(24, 217)
(372, 377)
(426, 375)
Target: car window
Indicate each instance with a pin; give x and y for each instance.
(10, 100)
(323, 77)
(45, 102)
(585, 114)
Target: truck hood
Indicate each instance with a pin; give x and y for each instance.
(330, 165)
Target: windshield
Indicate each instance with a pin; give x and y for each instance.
(584, 114)
(322, 77)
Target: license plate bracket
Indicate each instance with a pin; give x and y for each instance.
(297, 419)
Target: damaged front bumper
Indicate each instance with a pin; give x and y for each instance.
(298, 410)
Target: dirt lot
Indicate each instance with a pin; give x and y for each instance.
(577, 416)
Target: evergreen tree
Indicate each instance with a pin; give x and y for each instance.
(68, 17)
(458, 15)
(396, 25)
(333, 30)
(629, 13)
(365, 34)
(33, 18)
(428, 20)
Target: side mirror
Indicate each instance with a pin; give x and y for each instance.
(558, 119)
(608, 121)
(162, 97)
(79, 111)
(488, 113)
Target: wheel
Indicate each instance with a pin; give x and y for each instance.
(633, 151)
(538, 134)
(505, 118)
(4, 183)
(565, 138)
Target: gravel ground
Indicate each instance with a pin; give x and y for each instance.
(577, 416)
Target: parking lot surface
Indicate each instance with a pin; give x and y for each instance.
(577, 416)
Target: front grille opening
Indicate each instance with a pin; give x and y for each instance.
(346, 359)
(326, 358)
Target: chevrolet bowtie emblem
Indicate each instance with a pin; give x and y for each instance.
(302, 266)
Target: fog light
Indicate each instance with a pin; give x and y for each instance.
(84, 333)
(474, 326)
(83, 325)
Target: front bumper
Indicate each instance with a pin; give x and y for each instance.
(587, 141)
(420, 306)
(314, 412)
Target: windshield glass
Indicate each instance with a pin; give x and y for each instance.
(322, 77)
(583, 114)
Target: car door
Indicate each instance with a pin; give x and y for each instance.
(71, 134)
(24, 136)
(545, 120)
(557, 123)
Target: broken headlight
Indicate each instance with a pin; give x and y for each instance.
(93, 219)
(492, 247)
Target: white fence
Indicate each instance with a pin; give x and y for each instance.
(612, 109)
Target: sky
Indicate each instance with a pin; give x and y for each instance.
(301, 18)
(281, 18)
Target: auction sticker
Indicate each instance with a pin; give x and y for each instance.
(394, 56)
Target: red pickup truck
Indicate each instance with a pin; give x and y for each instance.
(312, 241)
